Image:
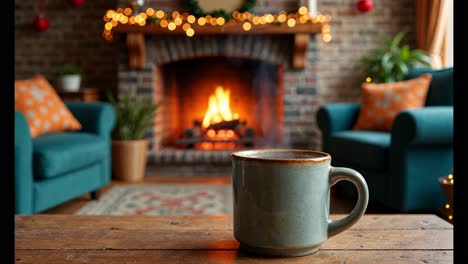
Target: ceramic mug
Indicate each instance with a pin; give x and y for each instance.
(282, 198)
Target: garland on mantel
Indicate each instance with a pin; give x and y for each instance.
(173, 20)
(197, 11)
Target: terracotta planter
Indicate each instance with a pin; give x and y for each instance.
(129, 159)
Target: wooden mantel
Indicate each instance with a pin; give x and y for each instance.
(301, 32)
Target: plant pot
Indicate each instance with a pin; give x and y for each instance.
(129, 159)
(69, 83)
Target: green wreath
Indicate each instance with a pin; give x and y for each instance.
(197, 11)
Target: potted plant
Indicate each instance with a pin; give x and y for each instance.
(129, 147)
(68, 77)
(391, 62)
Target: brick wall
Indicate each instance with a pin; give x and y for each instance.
(74, 36)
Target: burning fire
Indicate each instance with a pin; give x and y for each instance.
(219, 111)
(218, 108)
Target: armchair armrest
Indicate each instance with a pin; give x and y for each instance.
(23, 166)
(427, 125)
(98, 118)
(336, 117)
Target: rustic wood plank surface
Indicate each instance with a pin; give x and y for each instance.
(209, 239)
(227, 256)
(370, 221)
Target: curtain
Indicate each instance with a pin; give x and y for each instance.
(431, 24)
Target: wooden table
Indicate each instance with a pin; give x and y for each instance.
(208, 239)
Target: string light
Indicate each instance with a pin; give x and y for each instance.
(248, 20)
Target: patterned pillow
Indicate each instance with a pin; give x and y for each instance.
(381, 102)
(43, 109)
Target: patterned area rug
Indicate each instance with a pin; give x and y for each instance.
(162, 199)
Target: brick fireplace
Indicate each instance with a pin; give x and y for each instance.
(292, 123)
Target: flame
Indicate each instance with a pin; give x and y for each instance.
(218, 108)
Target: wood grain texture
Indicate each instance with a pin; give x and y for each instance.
(372, 222)
(218, 239)
(208, 239)
(226, 256)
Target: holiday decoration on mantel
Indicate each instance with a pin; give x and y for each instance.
(77, 3)
(364, 6)
(170, 21)
(41, 23)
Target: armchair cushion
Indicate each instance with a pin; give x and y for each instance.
(58, 153)
(363, 148)
(45, 112)
(382, 102)
(441, 87)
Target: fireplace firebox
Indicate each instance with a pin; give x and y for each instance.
(220, 102)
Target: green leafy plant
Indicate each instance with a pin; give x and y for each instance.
(66, 69)
(392, 62)
(135, 116)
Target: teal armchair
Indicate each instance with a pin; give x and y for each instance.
(402, 166)
(56, 167)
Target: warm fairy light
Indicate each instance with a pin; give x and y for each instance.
(163, 23)
(450, 176)
(303, 19)
(191, 19)
(368, 79)
(450, 217)
(246, 26)
(174, 19)
(108, 26)
(175, 14)
(190, 32)
(186, 26)
(150, 11)
(171, 26)
(303, 10)
(178, 21)
(201, 21)
(447, 206)
(109, 13)
(213, 21)
(160, 14)
(282, 18)
(451, 181)
(220, 21)
(256, 20)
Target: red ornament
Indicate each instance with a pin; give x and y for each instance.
(77, 3)
(41, 23)
(364, 5)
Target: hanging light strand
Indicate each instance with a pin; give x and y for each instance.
(174, 20)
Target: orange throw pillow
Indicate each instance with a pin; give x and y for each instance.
(43, 109)
(382, 102)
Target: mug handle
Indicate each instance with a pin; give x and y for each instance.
(337, 174)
